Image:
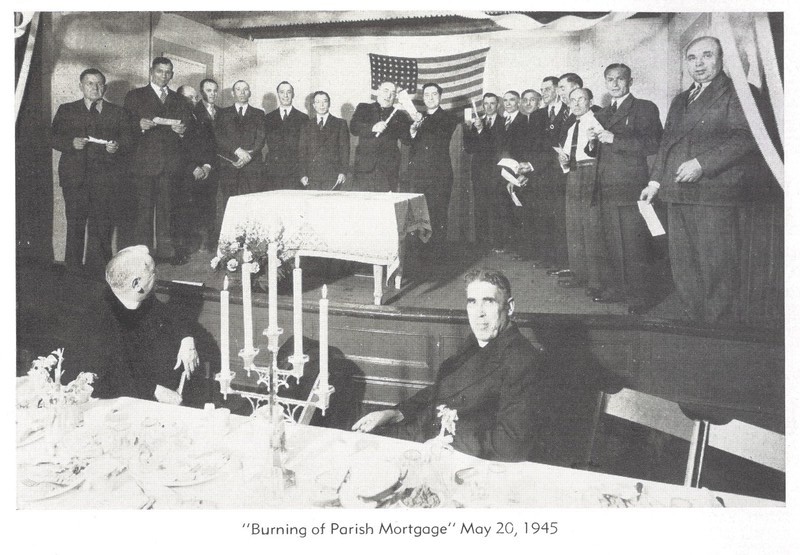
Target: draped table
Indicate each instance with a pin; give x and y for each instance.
(355, 226)
(320, 459)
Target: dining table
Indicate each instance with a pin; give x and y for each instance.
(130, 453)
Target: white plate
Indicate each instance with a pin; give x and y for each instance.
(54, 479)
(189, 473)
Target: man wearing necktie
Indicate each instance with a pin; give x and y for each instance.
(527, 243)
(703, 170)
(379, 127)
(631, 132)
(516, 147)
(156, 158)
(204, 194)
(324, 147)
(91, 173)
(240, 138)
(483, 139)
(283, 140)
(577, 155)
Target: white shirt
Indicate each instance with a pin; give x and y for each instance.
(512, 115)
(285, 111)
(243, 106)
(324, 119)
(158, 89)
(620, 100)
(583, 137)
(88, 104)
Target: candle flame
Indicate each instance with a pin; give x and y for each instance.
(225, 283)
(325, 291)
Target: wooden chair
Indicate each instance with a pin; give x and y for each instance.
(750, 442)
(659, 414)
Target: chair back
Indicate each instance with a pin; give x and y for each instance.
(750, 442)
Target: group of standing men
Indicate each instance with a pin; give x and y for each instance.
(585, 169)
(582, 170)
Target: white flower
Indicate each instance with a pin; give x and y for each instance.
(254, 267)
(247, 256)
(215, 262)
(233, 264)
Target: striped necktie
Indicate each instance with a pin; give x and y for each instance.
(163, 96)
(508, 122)
(694, 94)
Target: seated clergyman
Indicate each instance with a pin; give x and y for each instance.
(496, 383)
(142, 329)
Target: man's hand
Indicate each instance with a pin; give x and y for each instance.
(525, 167)
(689, 172)
(379, 127)
(187, 356)
(179, 128)
(79, 142)
(145, 124)
(243, 155)
(112, 147)
(605, 136)
(478, 123)
(340, 179)
(199, 174)
(563, 158)
(304, 180)
(376, 419)
(649, 193)
(523, 181)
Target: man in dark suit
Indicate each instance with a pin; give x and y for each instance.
(378, 126)
(204, 194)
(157, 155)
(702, 171)
(199, 159)
(283, 141)
(430, 171)
(631, 132)
(498, 384)
(90, 173)
(324, 147)
(239, 132)
(526, 241)
(483, 139)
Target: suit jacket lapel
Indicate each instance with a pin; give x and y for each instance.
(623, 110)
(694, 113)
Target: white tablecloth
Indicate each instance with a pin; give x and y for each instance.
(362, 227)
(320, 458)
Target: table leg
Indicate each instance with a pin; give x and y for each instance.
(377, 274)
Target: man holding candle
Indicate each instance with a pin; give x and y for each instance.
(498, 384)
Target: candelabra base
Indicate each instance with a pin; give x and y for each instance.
(247, 359)
(321, 396)
(273, 333)
(298, 363)
(224, 383)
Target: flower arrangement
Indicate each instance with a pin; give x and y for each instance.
(45, 377)
(249, 244)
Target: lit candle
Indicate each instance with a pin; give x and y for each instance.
(272, 252)
(323, 339)
(247, 308)
(297, 305)
(224, 331)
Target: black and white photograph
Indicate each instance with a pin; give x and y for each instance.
(297, 275)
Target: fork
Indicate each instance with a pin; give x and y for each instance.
(30, 483)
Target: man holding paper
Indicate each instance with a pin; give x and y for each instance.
(160, 115)
(93, 136)
(379, 126)
(631, 132)
(704, 166)
(324, 147)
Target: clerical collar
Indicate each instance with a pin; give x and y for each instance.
(431, 112)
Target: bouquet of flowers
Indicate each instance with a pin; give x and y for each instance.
(249, 244)
(46, 388)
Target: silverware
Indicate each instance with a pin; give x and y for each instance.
(30, 483)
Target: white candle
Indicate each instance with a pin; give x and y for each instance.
(323, 339)
(297, 305)
(224, 328)
(272, 252)
(247, 308)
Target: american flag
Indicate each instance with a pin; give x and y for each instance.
(459, 75)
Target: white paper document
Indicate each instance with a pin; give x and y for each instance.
(407, 103)
(166, 121)
(651, 218)
(510, 177)
(99, 141)
(509, 163)
(515, 199)
(559, 152)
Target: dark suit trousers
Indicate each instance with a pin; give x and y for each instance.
(437, 195)
(627, 260)
(204, 200)
(704, 252)
(92, 202)
(153, 192)
(492, 208)
(583, 226)
(549, 218)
